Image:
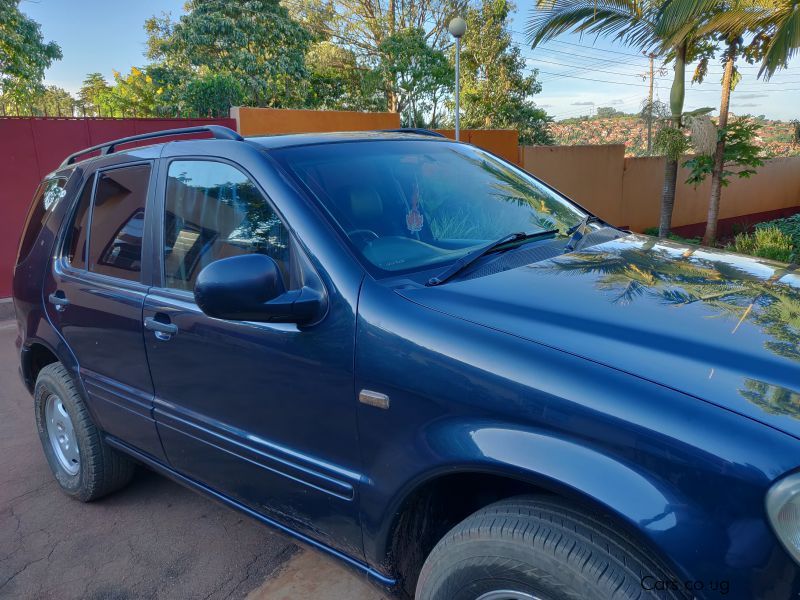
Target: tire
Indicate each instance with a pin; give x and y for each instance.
(86, 468)
(542, 549)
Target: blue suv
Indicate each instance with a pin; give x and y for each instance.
(418, 358)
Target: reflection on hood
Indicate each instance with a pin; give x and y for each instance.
(722, 327)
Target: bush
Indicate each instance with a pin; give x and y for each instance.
(790, 226)
(766, 241)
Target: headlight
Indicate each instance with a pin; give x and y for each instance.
(783, 509)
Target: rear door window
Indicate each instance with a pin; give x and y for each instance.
(117, 222)
(48, 195)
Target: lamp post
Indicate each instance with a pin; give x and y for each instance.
(458, 28)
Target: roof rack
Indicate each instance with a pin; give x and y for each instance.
(417, 130)
(218, 132)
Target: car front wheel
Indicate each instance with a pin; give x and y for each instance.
(537, 548)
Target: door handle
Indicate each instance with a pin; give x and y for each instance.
(59, 300)
(163, 331)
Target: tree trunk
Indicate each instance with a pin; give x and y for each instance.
(391, 95)
(676, 97)
(719, 152)
(668, 196)
(650, 108)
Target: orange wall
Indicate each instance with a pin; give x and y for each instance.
(627, 191)
(262, 121)
(776, 185)
(265, 121)
(590, 175)
(502, 142)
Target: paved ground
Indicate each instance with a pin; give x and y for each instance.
(155, 539)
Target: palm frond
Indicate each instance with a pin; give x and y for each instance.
(785, 41)
(627, 20)
(676, 15)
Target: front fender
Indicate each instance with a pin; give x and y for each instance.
(684, 475)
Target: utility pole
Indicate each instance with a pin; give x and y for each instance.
(650, 105)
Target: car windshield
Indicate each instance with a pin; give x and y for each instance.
(411, 204)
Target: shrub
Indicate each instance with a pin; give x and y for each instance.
(766, 242)
(790, 226)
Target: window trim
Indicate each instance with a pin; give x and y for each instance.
(65, 267)
(64, 262)
(160, 206)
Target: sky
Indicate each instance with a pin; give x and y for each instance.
(578, 75)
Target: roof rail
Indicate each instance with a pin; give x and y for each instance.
(218, 132)
(417, 130)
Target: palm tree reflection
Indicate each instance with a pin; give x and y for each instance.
(760, 293)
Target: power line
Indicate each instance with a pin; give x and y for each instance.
(758, 87)
(635, 75)
(594, 70)
(617, 52)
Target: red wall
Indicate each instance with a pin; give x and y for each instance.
(32, 147)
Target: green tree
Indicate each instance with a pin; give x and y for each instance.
(740, 153)
(254, 41)
(135, 94)
(94, 97)
(54, 101)
(209, 95)
(362, 26)
(495, 92)
(24, 54)
(634, 23)
(339, 82)
(419, 75)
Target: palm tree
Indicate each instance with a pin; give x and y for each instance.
(633, 22)
(775, 25)
(776, 22)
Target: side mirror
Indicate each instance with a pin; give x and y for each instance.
(250, 288)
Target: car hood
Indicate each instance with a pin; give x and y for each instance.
(721, 327)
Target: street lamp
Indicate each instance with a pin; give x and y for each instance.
(457, 28)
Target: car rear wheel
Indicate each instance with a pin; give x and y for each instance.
(82, 463)
(536, 548)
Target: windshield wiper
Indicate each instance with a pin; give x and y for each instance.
(469, 258)
(578, 231)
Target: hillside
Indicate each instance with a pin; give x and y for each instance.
(775, 136)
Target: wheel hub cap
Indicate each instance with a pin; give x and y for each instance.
(507, 595)
(61, 434)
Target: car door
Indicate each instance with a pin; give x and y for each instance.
(94, 293)
(263, 413)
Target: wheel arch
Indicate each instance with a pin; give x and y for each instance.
(47, 347)
(418, 519)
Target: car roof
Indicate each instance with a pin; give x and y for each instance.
(305, 139)
(276, 141)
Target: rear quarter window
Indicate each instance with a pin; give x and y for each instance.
(48, 195)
